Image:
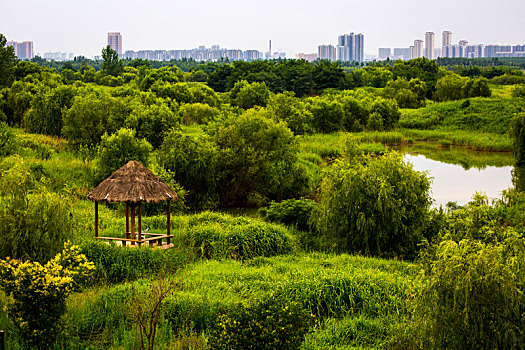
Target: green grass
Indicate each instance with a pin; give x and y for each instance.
(480, 141)
(489, 115)
(367, 294)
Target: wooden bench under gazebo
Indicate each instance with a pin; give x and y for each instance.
(133, 184)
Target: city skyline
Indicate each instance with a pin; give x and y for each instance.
(293, 26)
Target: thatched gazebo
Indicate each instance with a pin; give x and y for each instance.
(133, 184)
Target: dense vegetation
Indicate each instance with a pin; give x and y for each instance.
(306, 144)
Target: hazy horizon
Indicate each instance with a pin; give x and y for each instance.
(293, 26)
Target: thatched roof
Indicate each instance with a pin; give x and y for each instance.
(133, 183)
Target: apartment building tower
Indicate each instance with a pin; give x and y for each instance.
(429, 45)
(115, 42)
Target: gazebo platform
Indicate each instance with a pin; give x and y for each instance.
(134, 184)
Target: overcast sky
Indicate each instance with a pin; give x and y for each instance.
(293, 25)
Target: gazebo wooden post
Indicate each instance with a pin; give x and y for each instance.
(168, 223)
(96, 219)
(139, 231)
(127, 220)
(132, 222)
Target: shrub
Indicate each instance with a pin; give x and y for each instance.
(473, 295)
(212, 235)
(34, 223)
(373, 205)
(116, 264)
(118, 149)
(293, 212)
(199, 113)
(518, 91)
(7, 140)
(37, 293)
(267, 324)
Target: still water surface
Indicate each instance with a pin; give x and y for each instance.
(451, 182)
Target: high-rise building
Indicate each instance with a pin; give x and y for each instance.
(446, 40)
(429, 45)
(384, 53)
(417, 50)
(350, 47)
(23, 50)
(359, 48)
(327, 52)
(115, 42)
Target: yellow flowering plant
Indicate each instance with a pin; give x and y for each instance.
(37, 293)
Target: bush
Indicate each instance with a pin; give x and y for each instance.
(34, 223)
(116, 264)
(37, 293)
(118, 149)
(267, 324)
(212, 235)
(373, 205)
(198, 113)
(7, 140)
(473, 295)
(518, 91)
(293, 212)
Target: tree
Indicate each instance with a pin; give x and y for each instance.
(518, 138)
(91, 115)
(286, 107)
(145, 307)
(256, 158)
(118, 149)
(7, 62)
(151, 122)
(373, 205)
(246, 95)
(451, 87)
(327, 115)
(111, 64)
(192, 160)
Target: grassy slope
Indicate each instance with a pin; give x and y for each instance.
(341, 291)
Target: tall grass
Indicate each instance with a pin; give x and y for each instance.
(475, 140)
(374, 292)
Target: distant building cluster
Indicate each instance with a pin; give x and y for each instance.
(57, 56)
(202, 53)
(448, 49)
(350, 47)
(310, 57)
(23, 50)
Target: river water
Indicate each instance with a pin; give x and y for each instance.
(457, 183)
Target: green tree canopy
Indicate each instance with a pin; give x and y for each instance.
(7, 62)
(111, 64)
